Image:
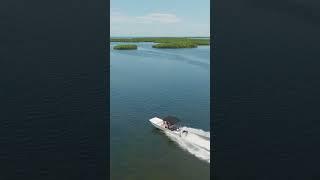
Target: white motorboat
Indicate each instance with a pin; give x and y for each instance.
(169, 125)
(171, 128)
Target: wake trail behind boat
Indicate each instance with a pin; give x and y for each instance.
(195, 141)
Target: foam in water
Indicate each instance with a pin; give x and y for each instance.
(197, 142)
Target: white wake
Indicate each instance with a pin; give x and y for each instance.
(195, 141)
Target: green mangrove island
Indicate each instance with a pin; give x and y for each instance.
(125, 47)
(175, 45)
(168, 42)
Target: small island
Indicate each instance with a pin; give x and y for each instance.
(175, 45)
(125, 47)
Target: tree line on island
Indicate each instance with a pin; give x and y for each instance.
(163, 42)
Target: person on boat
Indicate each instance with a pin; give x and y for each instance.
(169, 122)
(168, 125)
(165, 124)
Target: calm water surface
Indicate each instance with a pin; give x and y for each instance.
(152, 82)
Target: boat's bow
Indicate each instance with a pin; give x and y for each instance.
(157, 122)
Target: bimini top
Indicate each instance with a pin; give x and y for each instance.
(171, 119)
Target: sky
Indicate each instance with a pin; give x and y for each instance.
(160, 18)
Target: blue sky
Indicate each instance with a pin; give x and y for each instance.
(160, 18)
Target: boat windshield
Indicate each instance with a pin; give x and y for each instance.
(171, 122)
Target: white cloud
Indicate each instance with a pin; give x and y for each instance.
(160, 18)
(117, 17)
(155, 24)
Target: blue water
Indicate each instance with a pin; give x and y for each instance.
(152, 82)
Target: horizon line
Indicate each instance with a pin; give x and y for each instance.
(153, 36)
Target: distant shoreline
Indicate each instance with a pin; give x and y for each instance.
(168, 42)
